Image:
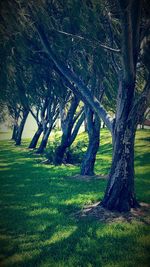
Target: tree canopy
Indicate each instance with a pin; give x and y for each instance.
(94, 51)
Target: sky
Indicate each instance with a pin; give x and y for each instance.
(29, 130)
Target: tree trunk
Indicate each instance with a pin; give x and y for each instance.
(85, 125)
(14, 133)
(67, 122)
(36, 137)
(60, 151)
(120, 193)
(44, 140)
(120, 190)
(80, 88)
(93, 129)
(68, 138)
(20, 128)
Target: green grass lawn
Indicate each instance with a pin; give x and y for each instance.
(37, 206)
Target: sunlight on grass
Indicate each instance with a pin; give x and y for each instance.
(21, 257)
(83, 199)
(61, 234)
(38, 204)
(37, 212)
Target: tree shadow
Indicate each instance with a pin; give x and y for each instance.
(38, 226)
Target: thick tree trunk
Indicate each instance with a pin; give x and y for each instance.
(44, 140)
(36, 137)
(93, 129)
(21, 128)
(120, 193)
(60, 151)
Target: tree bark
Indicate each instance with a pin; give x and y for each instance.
(21, 128)
(36, 137)
(14, 133)
(67, 122)
(85, 126)
(93, 130)
(60, 150)
(44, 140)
(120, 193)
(68, 138)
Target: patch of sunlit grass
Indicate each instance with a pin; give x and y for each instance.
(38, 203)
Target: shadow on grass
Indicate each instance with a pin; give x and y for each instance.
(35, 200)
(38, 227)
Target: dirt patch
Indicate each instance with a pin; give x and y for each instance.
(96, 211)
(88, 178)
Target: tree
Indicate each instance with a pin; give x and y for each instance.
(52, 113)
(16, 106)
(70, 124)
(93, 123)
(120, 193)
(93, 130)
(127, 29)
(43, 104)
(13, 74)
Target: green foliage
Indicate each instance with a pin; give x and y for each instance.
(73, 155)
(50, 151)
(76, 152)
(38, 202)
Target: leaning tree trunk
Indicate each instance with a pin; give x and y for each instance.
(60, 151)
(67, 123)
(93, 129)
(21, 128)
(36, 137)
(85, 125)
(68, 138)
(44, 140)
(14, 133)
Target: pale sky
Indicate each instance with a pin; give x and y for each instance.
(29, 130)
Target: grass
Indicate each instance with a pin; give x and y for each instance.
(38, 202)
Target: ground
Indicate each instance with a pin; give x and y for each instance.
(46, 217)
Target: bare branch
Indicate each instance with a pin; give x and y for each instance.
(89, 41)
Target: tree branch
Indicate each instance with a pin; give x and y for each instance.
(141, 104)
(77, 127)
(89, 41)
(72, 78)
